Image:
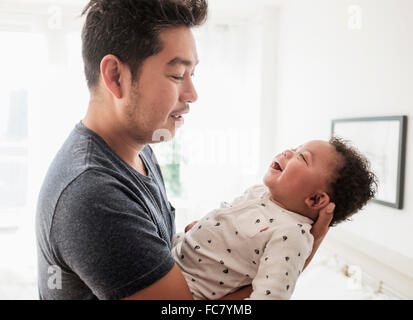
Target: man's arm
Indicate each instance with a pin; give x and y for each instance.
(240, 294)
(172, 286)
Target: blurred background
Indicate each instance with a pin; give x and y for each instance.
(272, 75)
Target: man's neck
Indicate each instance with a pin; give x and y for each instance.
(116, 138)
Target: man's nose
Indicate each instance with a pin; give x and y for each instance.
(189, 93)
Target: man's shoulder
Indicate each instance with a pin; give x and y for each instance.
(93, 180)
(85, 160)
(96, 188)
(93, 194)
(84, 169)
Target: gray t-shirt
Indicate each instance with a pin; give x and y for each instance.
(103, 230)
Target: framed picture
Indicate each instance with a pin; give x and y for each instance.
(383, 141)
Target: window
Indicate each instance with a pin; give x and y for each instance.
(215, 155)
(15, 90)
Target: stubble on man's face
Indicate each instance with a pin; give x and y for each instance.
(134, 119)
(143, 122)
(163, 89)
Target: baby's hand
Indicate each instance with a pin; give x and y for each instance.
(189, 226)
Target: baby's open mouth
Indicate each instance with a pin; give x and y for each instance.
(276, 166)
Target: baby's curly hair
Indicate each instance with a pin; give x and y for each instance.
(355, 184)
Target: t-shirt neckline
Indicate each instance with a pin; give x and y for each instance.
(82, 129)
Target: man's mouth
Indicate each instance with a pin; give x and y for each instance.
(276, 166)
(178, 120)
(178, 116)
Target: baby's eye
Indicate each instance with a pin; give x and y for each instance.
(302, 156)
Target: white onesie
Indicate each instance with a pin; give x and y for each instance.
(249, 241)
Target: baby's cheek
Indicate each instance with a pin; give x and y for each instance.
(305, 184)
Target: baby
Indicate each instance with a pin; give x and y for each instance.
(263, 237)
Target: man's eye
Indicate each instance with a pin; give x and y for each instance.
(178, 77)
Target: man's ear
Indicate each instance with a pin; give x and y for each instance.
(318, 200)
(110, 71)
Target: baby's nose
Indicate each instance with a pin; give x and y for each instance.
(287, 153)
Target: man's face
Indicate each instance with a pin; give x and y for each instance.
(297, 173)
(164, 89)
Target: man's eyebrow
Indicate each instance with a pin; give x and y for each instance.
(178, 60)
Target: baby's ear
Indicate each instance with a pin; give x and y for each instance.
(318, 200)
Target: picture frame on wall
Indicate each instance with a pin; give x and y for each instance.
(383, 141)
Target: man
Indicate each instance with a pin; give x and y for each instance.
(104, 224)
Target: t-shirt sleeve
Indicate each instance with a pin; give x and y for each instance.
(281, 263)
(103, 234)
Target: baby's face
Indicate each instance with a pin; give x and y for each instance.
(296, 174)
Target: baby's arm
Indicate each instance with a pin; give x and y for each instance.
(281, 263)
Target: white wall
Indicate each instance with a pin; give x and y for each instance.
(57, 99)
(327, 71)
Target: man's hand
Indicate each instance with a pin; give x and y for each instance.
(320, 229)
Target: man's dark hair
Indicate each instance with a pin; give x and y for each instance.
(129, 29)
(354, 184)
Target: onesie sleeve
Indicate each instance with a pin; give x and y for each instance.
(282, 262)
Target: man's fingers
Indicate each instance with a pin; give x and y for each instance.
(320, 227)
(326, 214)
(330, 208)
